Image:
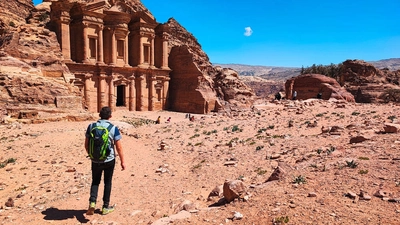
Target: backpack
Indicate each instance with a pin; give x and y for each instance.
(99, 143)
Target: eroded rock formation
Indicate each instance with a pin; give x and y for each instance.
(367, 83)
(309, 85)
(205, 88)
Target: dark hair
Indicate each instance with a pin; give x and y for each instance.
(105, 113)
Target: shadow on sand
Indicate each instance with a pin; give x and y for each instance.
(57, 214)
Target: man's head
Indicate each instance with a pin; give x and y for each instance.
(105, 113)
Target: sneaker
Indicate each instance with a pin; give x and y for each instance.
(91, 209)
(107, 210)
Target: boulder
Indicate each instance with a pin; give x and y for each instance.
(391, 128)
(358, 139)
(233, 189)
(280, 172)
(310, 85)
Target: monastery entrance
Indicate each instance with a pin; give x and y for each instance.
(121, 95)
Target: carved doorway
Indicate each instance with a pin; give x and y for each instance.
(120, 95)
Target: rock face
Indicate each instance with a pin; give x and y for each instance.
(190, 90)
(196, 86)
(367, 83)
(309, 85)
(31, 70)
(14, 13)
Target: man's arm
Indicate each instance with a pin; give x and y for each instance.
(118, 146)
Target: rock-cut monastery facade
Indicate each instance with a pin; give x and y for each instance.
(119, 54)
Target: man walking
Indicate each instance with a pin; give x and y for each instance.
(107, 165)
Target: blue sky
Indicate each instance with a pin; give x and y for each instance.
(287, 32)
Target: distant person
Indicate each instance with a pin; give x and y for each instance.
(294, 95)
(169, 119)
(278, 96)
(192, 119)
(158, 121)
(103, 162)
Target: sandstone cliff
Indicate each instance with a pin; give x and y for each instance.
(221, 89)
(32, 74)
(309, 85)
(367, 83)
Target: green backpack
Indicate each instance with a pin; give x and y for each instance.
(99, 143)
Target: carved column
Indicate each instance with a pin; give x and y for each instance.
(151, 92)
(111, 94)
(165, 54)
(141, 50)
(113, 48)
(65, 36)
(139, 92)
(101, 91)
(126, 56)
(165, 91)
(132, 90)
(85, 43)
(100, 53)
(152, 53)
(87, 90)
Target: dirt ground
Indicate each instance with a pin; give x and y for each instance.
(327, 179)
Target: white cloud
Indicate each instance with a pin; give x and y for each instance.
(248, 31)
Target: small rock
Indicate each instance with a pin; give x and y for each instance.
(351, 195)
(74, 190)
(135, 212)
(230, 163)
(358, 139)
(237, 216)
(312, 194)
(71, 170)
(276, 209)
(394, 200)
(10, 202)
(366, 197)
(391, 128)
(216, 192)
(275, 156)
(380, 194)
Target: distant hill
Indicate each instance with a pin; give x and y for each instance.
(274, 73)
(391, 64)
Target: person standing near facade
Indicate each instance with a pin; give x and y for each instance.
(294, 95)
(158, 121)
(107, 165)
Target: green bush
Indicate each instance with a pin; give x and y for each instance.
(280, 220)
(299, 180)
(352, 164)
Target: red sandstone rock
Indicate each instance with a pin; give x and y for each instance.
(233, 189)
(309, 85)
(366, 82)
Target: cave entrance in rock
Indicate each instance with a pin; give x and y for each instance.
(120, 95)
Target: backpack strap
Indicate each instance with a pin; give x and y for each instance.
(109, 127)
